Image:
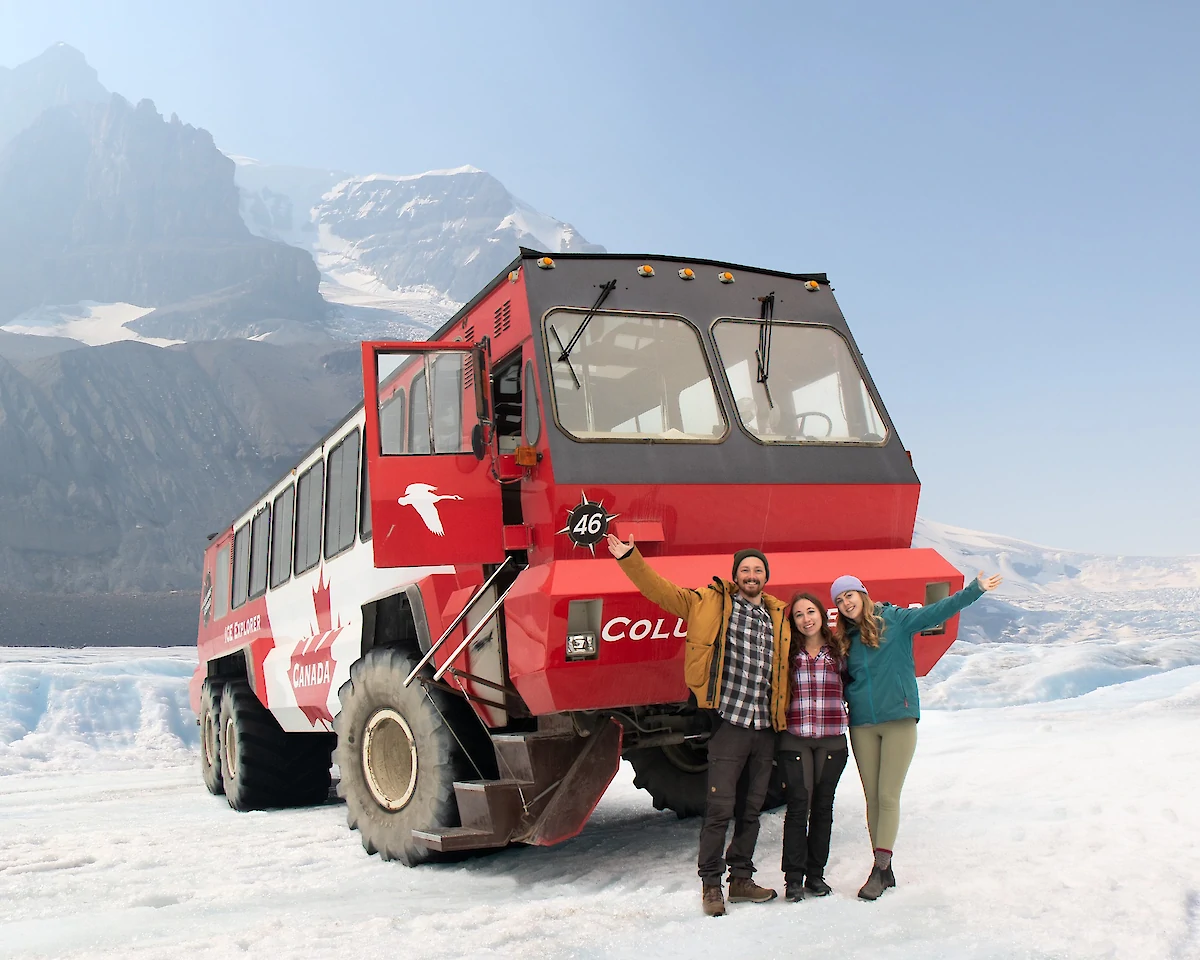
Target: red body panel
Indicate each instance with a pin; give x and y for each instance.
(641, 647)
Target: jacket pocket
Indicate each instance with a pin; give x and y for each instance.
(697, 657)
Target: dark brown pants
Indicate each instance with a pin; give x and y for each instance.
(739, 771)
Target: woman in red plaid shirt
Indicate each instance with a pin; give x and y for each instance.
(812, 752)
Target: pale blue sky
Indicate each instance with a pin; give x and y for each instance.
(1005, 196)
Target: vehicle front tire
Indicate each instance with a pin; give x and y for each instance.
(398, 756)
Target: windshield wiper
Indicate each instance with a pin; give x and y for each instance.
(565, 356)
(763, 354)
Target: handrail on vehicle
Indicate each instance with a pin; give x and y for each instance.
(434, 647)
(474, 632)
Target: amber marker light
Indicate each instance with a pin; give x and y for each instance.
(645, 270)
(811, 285)
(526, 456)
(545, 263)
(514, 276)
(687, 273)
(725, 276)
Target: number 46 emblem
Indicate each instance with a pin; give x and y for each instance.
(587, 523)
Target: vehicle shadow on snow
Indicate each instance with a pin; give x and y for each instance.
(613, 846)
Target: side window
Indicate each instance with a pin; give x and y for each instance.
(341, 495)
(448, 402)
(241, 564)
(221, 583)
(391, 423)
(507, 403)
(260, 531)
(424, 399)
(533, 416)
(418, 416)
(282, 517)
(310, 491)
(364, 505)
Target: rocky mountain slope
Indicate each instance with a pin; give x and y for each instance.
(56, 77)
(108, 202)
(116, 461)
(117, 225)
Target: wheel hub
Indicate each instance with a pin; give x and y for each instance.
(389, 759)
(209, 735)
(230, 746)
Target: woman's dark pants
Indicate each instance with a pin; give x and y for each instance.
(811, 771)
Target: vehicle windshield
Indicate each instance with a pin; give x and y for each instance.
(631, 377)
(811, 391)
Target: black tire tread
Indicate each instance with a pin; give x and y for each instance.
(376, 681)
(275, 769)
(210, 704)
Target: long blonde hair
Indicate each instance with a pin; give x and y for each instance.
(870, 628)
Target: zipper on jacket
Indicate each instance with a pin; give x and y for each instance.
(870, 691)
(718, 649)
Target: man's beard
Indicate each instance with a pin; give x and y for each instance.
(751, 589)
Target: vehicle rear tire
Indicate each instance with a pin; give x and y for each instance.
(261, 765)
(210, 740)
(676, 777)
(398, 756)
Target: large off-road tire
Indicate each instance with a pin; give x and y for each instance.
(676, 777)
(398, 756)
(210, 738)
(262, 766)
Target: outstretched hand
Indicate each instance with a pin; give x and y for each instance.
(617, 548)
(989, 583)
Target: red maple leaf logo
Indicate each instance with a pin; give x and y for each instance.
(321, 605)
(312, 666)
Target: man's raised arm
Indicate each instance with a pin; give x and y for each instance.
(672, 598)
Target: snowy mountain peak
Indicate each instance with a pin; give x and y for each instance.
(398, 253)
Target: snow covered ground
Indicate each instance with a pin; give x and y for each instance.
(1051, 812)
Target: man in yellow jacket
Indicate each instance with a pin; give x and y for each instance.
(735, 664)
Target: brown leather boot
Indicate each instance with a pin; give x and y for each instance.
(712, 900)
(745, 890)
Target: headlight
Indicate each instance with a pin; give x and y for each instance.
(582, 646)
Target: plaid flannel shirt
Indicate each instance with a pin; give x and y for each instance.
(745, 699)
(816, 708)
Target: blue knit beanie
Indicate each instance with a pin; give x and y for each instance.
(842, 584)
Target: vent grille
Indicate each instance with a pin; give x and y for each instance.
(503, 318)
(468, 374)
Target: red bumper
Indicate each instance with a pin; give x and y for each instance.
(641, 646)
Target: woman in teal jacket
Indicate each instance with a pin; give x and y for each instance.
(883, 701)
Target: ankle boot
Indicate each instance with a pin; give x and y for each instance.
(817, 886)
(712, 900)
(745, 890)
(874, 887)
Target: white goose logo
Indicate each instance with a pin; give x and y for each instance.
(420, 497)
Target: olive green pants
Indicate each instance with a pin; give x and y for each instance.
(883, 752)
